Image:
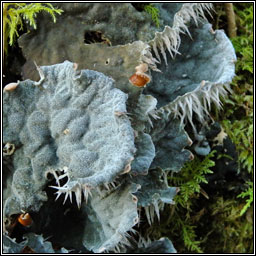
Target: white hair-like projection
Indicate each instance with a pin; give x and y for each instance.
(197, 103)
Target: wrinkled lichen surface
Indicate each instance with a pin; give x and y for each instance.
(67, 123)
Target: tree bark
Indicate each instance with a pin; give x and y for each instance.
(231, 20)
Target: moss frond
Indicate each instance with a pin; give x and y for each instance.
(189, 179)
(154, 12)
(247, 193)
(15, 13)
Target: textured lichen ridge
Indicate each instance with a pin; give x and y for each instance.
(11, 246)
(170, 140)
(144, 155)
(144, 112)
(111, 214)
(198, 102)
(67, 128)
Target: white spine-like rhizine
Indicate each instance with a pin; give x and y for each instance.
(197, 102)
(70, 187)
(153, 208)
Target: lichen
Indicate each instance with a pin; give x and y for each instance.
(83, 104)
(188, 84)
(84, 128)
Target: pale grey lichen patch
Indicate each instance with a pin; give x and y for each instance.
(69, 124)
(16, 113)
(7, 173)
(38, 243)
(110, 216)
(118, 62)
(24, 191)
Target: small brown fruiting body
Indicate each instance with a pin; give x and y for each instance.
(25, 219)
(139, 78)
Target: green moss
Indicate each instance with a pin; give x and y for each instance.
(247, 193)
(226, 231)
(178, 222)
(243, 43)
(154, 12)
(228, 226)
(14, 14)
(190, 177)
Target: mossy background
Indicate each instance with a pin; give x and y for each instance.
(207, 219)
(218, 219)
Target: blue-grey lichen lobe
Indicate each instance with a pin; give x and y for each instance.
(170, 140)
(67, 121)
(207, 55)
(144, 155)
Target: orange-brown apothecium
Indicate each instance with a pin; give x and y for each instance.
(25, 219)
(139, 78)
